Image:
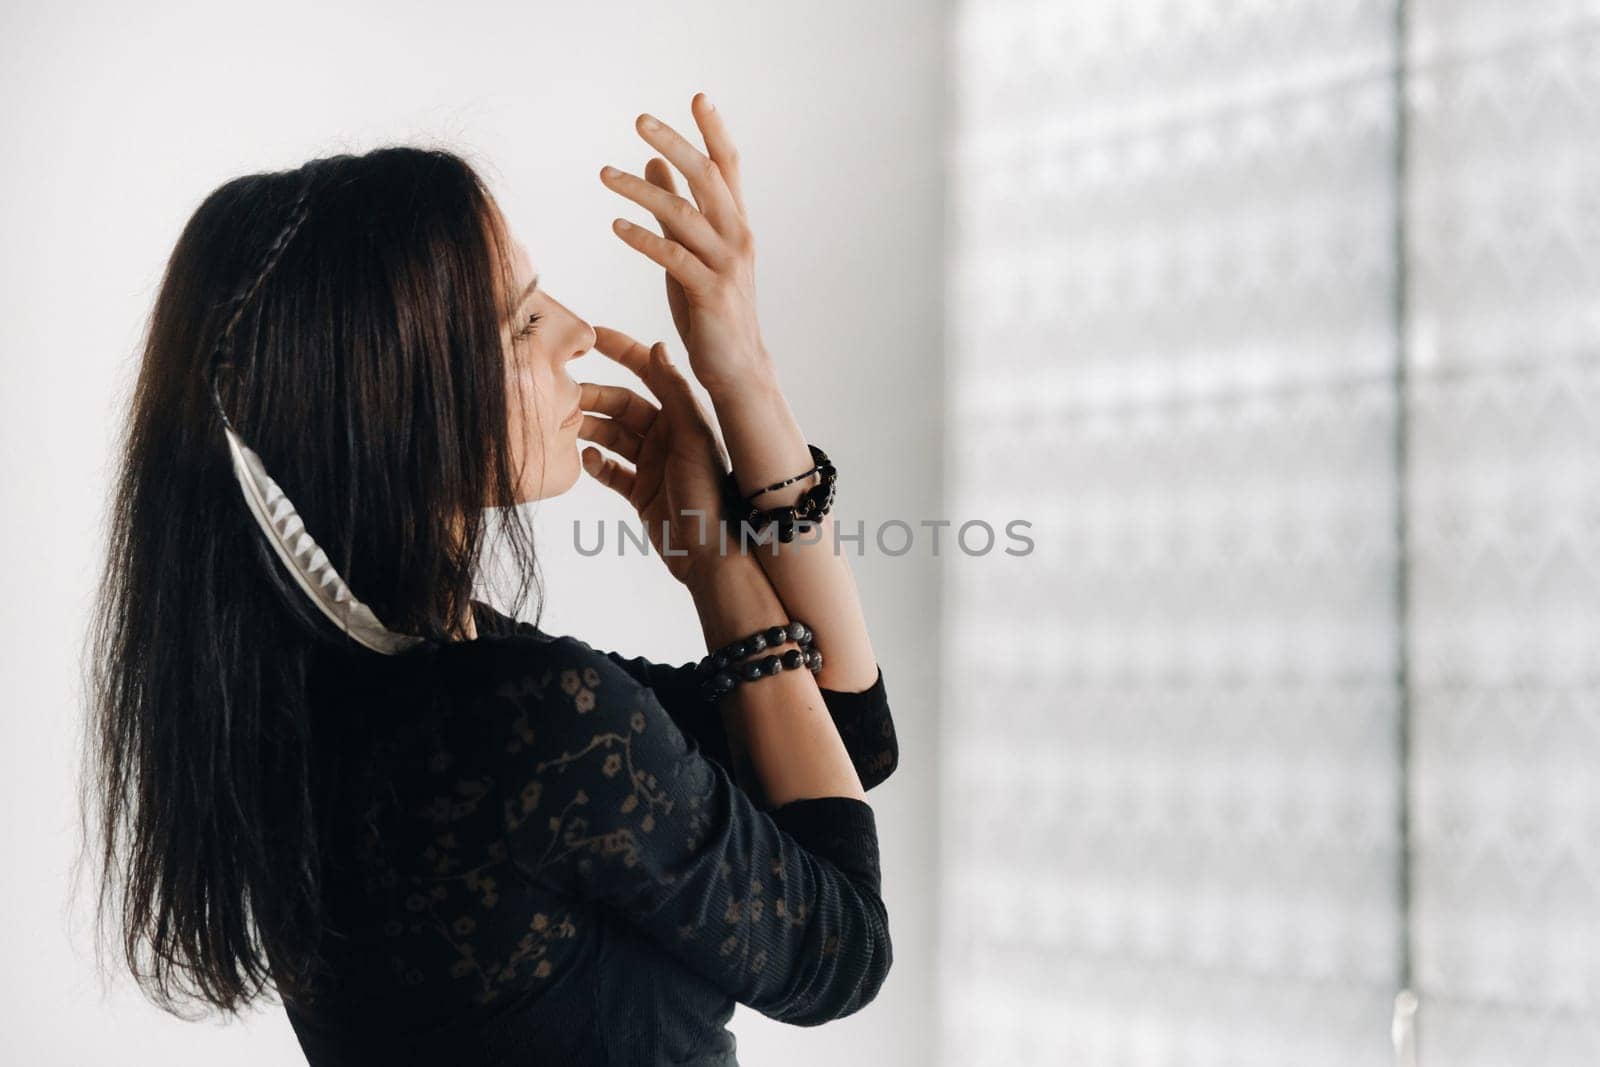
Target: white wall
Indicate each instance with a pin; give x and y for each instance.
(119, 119)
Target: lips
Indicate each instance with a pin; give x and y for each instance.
(575, 415)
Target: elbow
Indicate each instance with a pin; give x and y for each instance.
(877, 970)
(853, 981)
(880, 764)
(881, 757)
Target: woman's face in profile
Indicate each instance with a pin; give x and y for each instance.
(540, 396)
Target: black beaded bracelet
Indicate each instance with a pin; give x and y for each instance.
(760, 641)
(813, 505)
(722, 683)
(720, 670)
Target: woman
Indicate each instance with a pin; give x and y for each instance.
(440, 833)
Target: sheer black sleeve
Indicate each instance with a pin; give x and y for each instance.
(610, 801)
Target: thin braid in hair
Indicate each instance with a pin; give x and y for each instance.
(298, 212)
(272, 509)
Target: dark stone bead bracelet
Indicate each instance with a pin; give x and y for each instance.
(770, 637)
(741, 510)
(724, 682)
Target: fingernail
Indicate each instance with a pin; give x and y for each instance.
(706, 100)
(649, 123)
(622, 224)
(609, 172)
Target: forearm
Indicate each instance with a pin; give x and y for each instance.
(778, 725)
(766, 445)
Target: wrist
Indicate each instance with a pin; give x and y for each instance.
(733, 597)
(711, 571)
(757, 380)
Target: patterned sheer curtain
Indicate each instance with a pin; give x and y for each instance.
(1504, 492)
(1278, 321)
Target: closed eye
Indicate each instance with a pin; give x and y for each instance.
(527, 331)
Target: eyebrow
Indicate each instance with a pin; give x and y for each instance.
(523, 299)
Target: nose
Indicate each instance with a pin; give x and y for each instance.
(585, 338)
(583, 333)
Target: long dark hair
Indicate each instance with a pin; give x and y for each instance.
(353, 306)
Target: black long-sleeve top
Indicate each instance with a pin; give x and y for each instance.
(535, 853)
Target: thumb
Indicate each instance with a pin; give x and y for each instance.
(666, 372)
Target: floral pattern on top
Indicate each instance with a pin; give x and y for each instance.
(611, 804)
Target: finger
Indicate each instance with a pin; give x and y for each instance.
(619, 404)
(632, 355)
(612, 434)
(700, 170)
(667, 381)
(651, 364)
(719, 144)
(680, 220)
(608, 472)
(622, 348)
(678, 261)
(659, 173)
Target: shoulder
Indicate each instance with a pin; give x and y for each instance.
(571, 729)
(560, 688)
(516, 649)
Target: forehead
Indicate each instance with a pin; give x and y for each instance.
(521, 261)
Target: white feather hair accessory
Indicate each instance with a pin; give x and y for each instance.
(312, 569)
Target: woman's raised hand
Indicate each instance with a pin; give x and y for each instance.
(705, 246)
(678, 461)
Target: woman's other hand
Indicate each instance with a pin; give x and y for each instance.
(705, 245)
(677, 459)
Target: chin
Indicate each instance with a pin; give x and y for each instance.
(573, 468)
(565, 468)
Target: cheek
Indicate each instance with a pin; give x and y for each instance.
(514, 401)
(546, 418)
(531, 415)
(519, 417)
